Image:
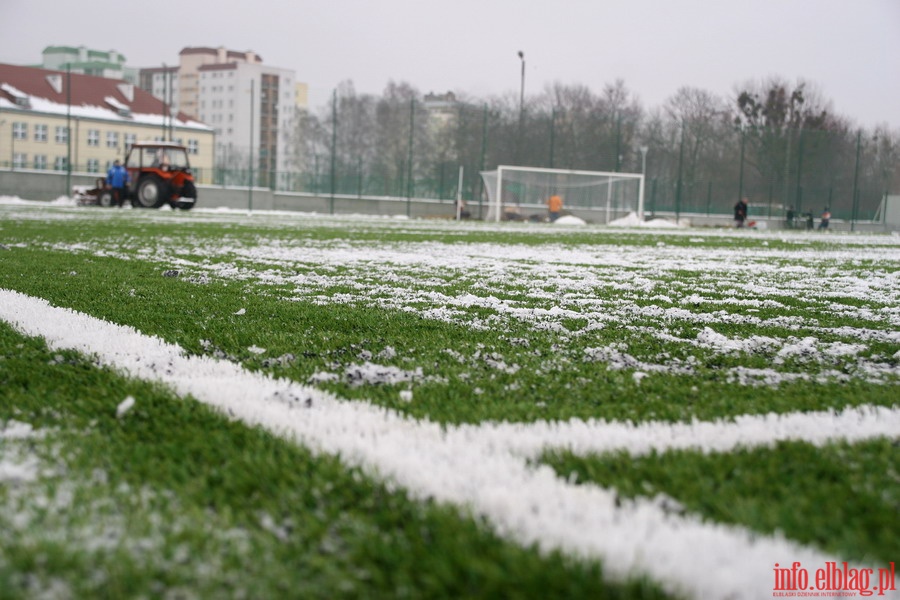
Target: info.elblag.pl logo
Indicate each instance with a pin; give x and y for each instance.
(833, 580)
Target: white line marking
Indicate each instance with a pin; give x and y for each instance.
(483, 466)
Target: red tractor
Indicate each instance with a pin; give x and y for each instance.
(160, 173)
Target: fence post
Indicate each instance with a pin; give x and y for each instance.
(853, 214)
(481, 168)
(250, 162)
(741, 174)
(333, 147)
(799, 166)
(409, 165)
(678, 188)
(552, 133)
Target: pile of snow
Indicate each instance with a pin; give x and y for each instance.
(633, 220)
(569, 220)
(60, 200)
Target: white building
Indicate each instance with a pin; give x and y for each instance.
(162, 82)
(249, 105)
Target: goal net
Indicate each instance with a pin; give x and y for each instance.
(514, 193)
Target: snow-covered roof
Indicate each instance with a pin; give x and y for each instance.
(89, 97)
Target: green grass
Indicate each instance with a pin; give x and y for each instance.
(193, 503)
(843, 498)
(175, 497)
(552, 381)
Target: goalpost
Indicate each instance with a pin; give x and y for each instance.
(609, 195)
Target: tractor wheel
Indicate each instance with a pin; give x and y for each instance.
(189, 190)
(105, 198)
(151, 192)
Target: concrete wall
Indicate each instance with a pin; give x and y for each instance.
(266, 199)
(40, 185)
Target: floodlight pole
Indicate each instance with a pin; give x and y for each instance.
(521, 108)
(522, 87)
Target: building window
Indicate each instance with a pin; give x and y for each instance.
(20, 131)
(112, 139)
(62, 134)
(93, 137)
(60, 163)
(40, 161)
(129, 141)
(193, 147)
(40, 133)
(93, 165)
(20, 159)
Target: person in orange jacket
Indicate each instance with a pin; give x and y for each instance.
(554, 206)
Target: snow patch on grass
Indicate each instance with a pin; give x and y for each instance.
(487, 467)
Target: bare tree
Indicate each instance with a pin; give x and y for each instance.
(706, 138)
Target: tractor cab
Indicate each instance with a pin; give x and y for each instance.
(160, 173)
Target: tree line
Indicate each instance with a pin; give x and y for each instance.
(779, 144)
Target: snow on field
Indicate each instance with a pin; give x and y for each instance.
(779, 296)
(15, 468)
(487, 466)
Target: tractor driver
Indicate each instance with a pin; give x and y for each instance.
(117, 179)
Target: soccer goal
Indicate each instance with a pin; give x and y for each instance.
(606, 196)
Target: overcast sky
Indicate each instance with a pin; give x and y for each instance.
(848, 49)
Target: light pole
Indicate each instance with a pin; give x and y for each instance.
(521, 107)
(522, 87)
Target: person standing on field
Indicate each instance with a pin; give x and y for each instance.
(826, 217)
(740, 212)
(117, 179)
(554, 206)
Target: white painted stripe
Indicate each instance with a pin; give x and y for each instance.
(598, 436)
(483, 466)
